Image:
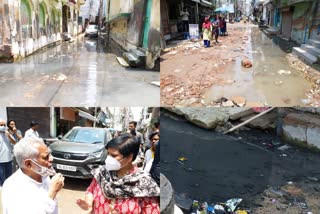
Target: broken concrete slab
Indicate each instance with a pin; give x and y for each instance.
(208, 118)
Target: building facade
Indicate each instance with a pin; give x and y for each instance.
(29, 25)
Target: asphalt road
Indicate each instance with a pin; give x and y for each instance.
(81, 73)
(220, 167)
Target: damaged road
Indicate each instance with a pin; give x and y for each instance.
(207, 166)
(245, 69)
(80, 73)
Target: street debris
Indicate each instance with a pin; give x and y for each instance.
(157, 83)
(246, 63)
(59, 77)
(182, 158)
(229, 207)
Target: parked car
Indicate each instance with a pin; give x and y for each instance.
(80, 150)
(91, 31)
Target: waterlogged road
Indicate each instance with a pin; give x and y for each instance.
(271, 80)
(81, 73)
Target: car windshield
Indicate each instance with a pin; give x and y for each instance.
(85, 136)
(91, 27)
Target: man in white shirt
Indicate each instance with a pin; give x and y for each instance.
(6, 140)
(32, 132)
(185, 19)
(29, 190)
(149, 157)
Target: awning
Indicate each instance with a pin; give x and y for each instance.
(87, 116)
(206, 3)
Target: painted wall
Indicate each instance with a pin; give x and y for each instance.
(154, 34)
(28, 25)
(300, 23)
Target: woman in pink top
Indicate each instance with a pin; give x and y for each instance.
(119, 186)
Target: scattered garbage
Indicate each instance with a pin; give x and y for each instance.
(284, 147)
(182, 159)
(246, 63)
(229, 207)
(233, 203)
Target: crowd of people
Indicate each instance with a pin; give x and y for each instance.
(122, 185)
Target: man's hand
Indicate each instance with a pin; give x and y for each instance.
(56, 184)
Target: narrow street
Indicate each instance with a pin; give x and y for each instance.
(81, 73)
(192, 75)
(207, 166)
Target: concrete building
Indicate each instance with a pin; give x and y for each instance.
(29, 25)
(134, 26)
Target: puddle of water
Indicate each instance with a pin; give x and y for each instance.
(262, 83)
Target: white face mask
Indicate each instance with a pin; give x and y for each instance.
(2, 128)
(44, 171)
(112, 164)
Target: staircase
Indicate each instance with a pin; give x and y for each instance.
(135, 57)
(309, 52)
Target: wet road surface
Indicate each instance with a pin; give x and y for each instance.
(76, 74)
(271, 80)
(220, 167)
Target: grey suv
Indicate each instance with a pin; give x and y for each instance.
(81, 149)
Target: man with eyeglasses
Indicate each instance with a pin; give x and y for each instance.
(6, 140)
(30, 190)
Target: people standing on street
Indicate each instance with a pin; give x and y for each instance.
(223, 26)
(185, 19)
(216, 29)
(32, 132)
(133, 127)
(30, 190)
(12, 129)
(16, 134)
(119, 186)
(5, 152)
(207, 32)
(150, 153)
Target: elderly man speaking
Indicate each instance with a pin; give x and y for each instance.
(29, 190)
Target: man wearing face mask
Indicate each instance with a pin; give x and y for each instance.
(120, 186)
(29, 190)
(6, 140)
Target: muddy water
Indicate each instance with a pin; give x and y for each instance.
(271, 80)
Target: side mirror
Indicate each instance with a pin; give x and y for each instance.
(60, 137)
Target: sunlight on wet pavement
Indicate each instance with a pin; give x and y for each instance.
(82, 72)
(270, 81)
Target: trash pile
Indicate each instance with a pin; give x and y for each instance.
(231, 206)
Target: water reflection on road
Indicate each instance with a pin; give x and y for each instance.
(270, 81)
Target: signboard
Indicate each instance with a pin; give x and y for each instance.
(194, 31)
